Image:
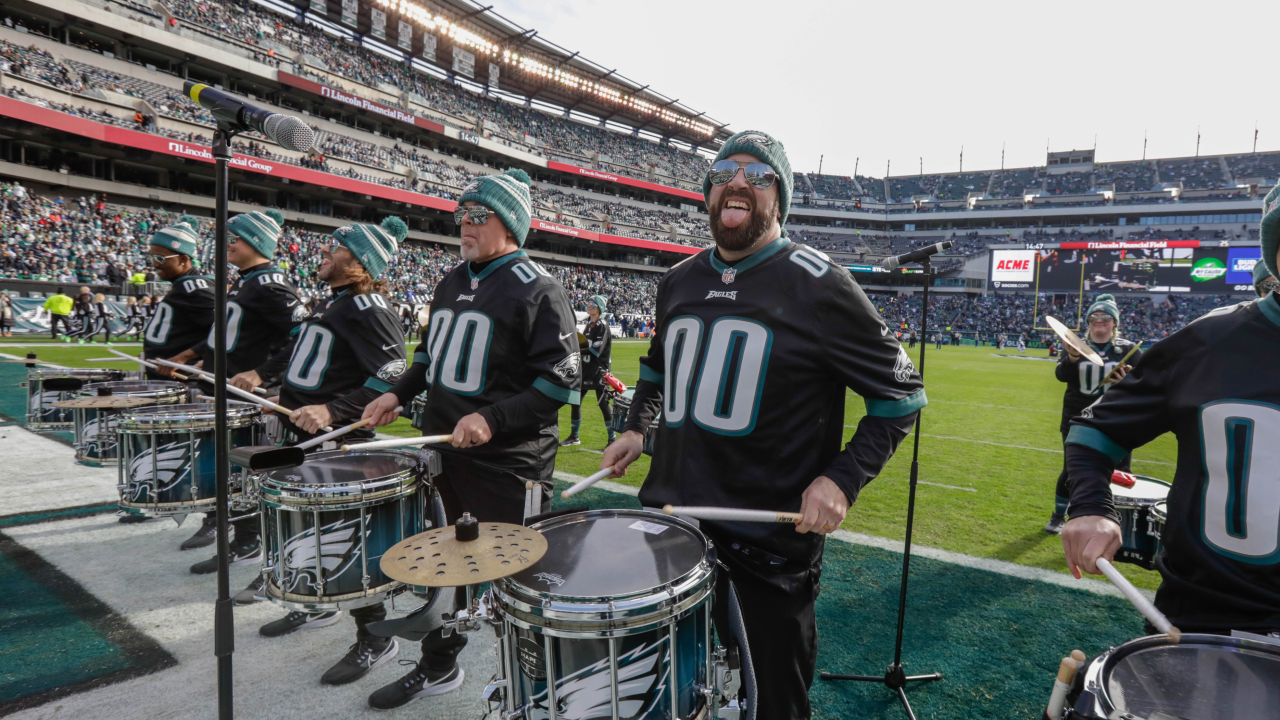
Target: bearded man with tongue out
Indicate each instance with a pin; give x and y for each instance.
(756, 341)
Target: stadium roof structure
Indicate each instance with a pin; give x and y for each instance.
(532, 66)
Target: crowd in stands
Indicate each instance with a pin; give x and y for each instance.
(1194, 173)
(1126, 177)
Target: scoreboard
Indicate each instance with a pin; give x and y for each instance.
(1182, 266)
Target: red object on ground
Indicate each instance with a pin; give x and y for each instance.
(1123, 479)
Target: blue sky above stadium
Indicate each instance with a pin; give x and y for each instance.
(896, 81)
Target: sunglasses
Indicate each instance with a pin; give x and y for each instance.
(160, 259)
(759, 175)
(1100, 318)
(479, 215)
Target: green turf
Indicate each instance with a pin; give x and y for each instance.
(974, 395)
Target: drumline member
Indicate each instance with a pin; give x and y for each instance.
(756, 341)
(83, 314)
(498, 360)
(1084, 379)
(595, 363)
(100, 319)
(1263, 281)
(1213, 385)
(346, 354)
(263, 313)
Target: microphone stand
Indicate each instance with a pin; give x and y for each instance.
(223, 621)
(895, 678)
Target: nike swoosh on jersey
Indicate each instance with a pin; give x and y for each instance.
(388, 347)
(566, 335)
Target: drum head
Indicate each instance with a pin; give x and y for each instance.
(610, 554)
(1144, 491)
(1203, 678)
(345, 468)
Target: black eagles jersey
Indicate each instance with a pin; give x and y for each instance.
(596, 356)
(1213, 384)
(750, 365)
(501, 342)
(263, 313)
(349, 351)
(182, 319)
(1084, 377)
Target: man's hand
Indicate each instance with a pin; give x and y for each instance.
(268, 411)
(822, 507)
(311, 418)
(1118, 373)
(1087, 538)
(622, 452)
(471, 431)
(382, 410)
(247, 380)
(164, 370)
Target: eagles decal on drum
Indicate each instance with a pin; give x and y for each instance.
(642, 682)
(172, 464)
(339, 550)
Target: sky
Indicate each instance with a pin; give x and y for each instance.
(865, 84)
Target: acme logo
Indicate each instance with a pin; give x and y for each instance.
(1013, 265)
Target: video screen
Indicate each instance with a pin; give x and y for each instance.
(1128, 270)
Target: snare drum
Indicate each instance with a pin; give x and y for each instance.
(364, 502)
(1203, 677)
(1155, 525)
(418, 411)
(1134, 505)
(620, 603)
(622, 406)
(95, 441)
(167, 456)
(40, 413)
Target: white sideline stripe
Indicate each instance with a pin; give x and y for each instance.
(1002, 407)
(1000, 567)
(67, 345)
(1021, 447)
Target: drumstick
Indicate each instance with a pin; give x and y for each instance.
(246, 395)
(1139, 601)
(586, 483)
(400, 442)
(1061, 686)
(322, 439)
(732, 514)
(144, 363)
(1123, 360)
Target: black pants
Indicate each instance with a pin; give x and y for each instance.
(53, 325)
(782, 630)
(602, 401)
(1063, 491)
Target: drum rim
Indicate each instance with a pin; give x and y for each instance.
(163, 388)
(283, 495)
(148, 417)
(39, 373)
(1101, 668)
(1133, 501)
(631, 610)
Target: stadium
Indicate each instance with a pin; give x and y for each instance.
(414, 108)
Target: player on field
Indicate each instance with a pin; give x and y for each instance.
(595, 363)
(347, 353)
(183, 318)
(1084, 379)
(499, 358)
(263, 313)
(750, 381)
(1214, 385)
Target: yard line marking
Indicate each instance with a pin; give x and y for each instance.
(1002, 407)
(1020, 447)
(1022, 572)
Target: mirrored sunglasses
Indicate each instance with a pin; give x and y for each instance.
(758, 174)
(479, 215)
(159, 259)
(1100, 318)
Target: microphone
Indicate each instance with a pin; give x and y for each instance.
(287, 130)
(893, 263)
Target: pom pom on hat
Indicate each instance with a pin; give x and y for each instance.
(275, 215)
(397, 227)
(190, 221)
(520, 175)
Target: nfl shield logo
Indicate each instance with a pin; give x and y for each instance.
(727, 276)
(474, 283)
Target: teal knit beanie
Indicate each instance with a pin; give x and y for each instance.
(600, 302)
(373, 245)
(1260, 272)
(1270, 229)
(1105, 303)
(507, 195)
(768, 151)
(183, 238)
(260, 228)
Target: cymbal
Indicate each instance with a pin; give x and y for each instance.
(583, 342)
(1068, 337)
(103, 401)
(436, 558)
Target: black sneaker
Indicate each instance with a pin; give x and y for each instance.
(250, 594)
(299, 621)
(571, 440)
(363, 656)
(241, 553)
(421, 682)
(1054, 526)
(205, 535)
(130, 519)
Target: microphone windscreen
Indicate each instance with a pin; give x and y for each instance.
(290, 132)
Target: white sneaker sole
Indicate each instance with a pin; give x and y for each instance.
(246, 560)
(442, 688)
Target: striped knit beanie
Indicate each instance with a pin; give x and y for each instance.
(183, 238)
(507, 195)
(260, 228)
(600, 302)
(1269, 230)
(373, 245)
(1105, 303)
(768, 151)
(1260, 272)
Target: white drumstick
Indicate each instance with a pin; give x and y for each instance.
(209, 377)
(400, 442)
(732, 514)
(586, 483)
(1061, 686)
(322, 439)
(1139, 601)
(144, 363)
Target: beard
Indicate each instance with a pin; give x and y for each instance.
(469, 252)
(746, 234)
